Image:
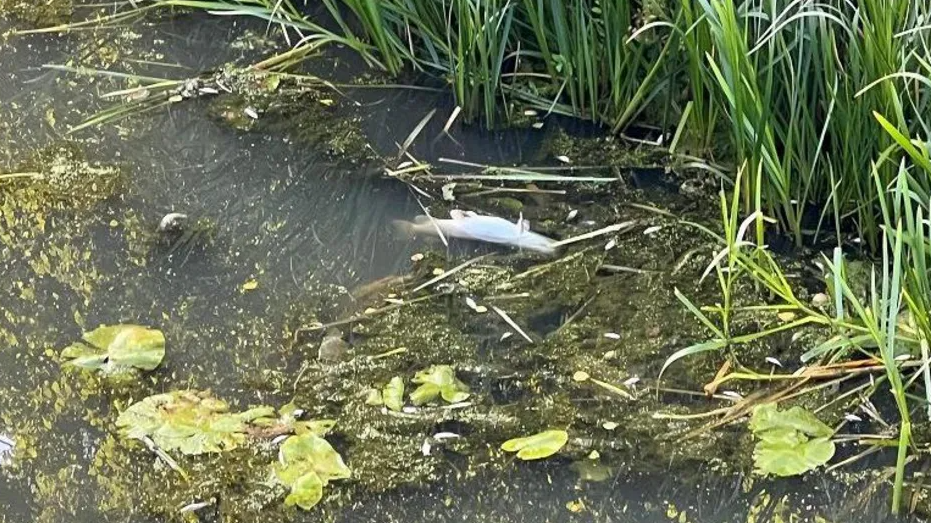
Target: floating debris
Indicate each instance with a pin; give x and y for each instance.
(537, 125)
(417, 257)
(852, 417)
(572, 214)
(774, 361)
(251, 113)
(612, 335)
(564, 159)
(333, 348)
(609, 425)
(6, 448)
(541, 445)
(610, 245)
(172, 221)
(468, 225)
(651, 230)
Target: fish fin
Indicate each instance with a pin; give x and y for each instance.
(403, 228)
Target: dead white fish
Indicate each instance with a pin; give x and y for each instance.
(468, 225)
(171, 222)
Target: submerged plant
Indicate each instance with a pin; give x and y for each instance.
(791, 442)
(117, 349)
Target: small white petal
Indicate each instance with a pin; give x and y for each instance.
(610, 245)
(563, 158)
(572, 214)
(612, 335)
(251, 113)
(650, 230)
(506, 335)
(774, 361)
(852, 417)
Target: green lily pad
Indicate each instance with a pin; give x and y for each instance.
(393, 394)
(439, 381)
(189, 421)
(117, 349)
(539, 446)
(307, 464)
(792, 441)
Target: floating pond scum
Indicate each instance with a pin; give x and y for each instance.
(206, 313)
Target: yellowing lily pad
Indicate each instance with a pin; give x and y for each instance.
(792, 441)
(307, 464)
(439, 381)
(117, 349)
(539, 446)
(189, 421)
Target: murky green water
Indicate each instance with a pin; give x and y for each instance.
(286, 219)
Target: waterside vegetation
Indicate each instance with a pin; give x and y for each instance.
(811, 117)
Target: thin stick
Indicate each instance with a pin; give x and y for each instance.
(577, 313)
(447, 274)
(11, 176)
(507, 319)
(621, 268)
(594, 234)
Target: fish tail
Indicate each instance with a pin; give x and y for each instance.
(403, 228)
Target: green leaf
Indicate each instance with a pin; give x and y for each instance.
(117, 349)
(307, 464)
(439, 380)
(791, 460)
(791, 442)
(538, 446)
(306, 492)
(768, 417)
(393, 394)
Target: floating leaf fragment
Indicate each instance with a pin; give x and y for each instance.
(117, 349)
(250, 285)
(541, 445)
(307, 464)
(393, 394)
(438, 380)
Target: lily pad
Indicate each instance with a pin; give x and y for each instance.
(307, 464)
(541, 445)
(117, 349)
(190, 421)
(393, 394)
(792, 441)
(439, 380)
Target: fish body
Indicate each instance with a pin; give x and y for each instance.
(468, 225)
